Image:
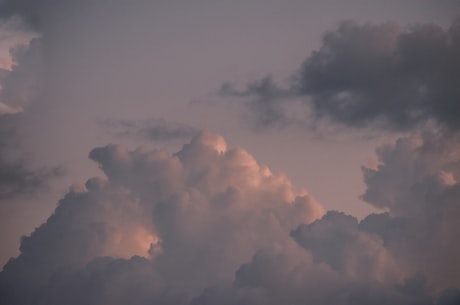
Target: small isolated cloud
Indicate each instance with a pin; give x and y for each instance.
(153, 129)
(385, 76)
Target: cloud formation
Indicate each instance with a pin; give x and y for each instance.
(417, 181)
(195, 216)
(385, 76)
(211, 225)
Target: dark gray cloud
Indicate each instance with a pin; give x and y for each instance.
(386, 76)
(17, 178)
(264, 98)
(27, 10)
(31, 12)
(153, 129)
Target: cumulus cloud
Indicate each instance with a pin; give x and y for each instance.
(387, 76)
(417, 182)
(210, 225)
(396, 78)
(337, 241)
(404, 256)
(288, 276)
(195, 217)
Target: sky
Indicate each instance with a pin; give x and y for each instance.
(229, 152)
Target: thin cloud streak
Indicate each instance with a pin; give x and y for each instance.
(153, 129)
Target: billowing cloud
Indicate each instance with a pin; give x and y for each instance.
(337, 241)
(195, 216)
(210, 225)
(380, 260)
(289, 276)
(386, 76)
(417, 181)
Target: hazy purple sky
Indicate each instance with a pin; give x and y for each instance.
(266, 114)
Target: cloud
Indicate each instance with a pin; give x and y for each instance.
(23, 83)
(289, 275)
(210, 225)
(31, 12)
(7, 109)
(337, 241)
(264, 98)
(24, 182)
(153, 129)
(17, 179)
(386, 76)
(417, 181)
(204, 210)
(20, 86)
(383, 259)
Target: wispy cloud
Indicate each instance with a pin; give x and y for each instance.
(153, 129)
